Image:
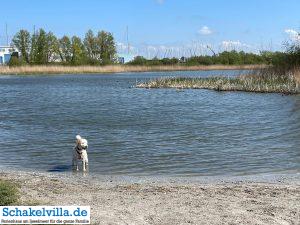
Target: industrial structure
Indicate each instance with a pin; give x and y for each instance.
(5, 54)
(127, 55)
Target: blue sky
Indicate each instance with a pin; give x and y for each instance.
(163, 26)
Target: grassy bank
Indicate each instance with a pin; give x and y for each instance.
(23, 70)
(8, 193)
(264, 81)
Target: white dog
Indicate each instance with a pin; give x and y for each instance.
(80, 153)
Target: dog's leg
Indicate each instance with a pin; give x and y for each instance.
(86, 166)
(83, 165)
(86, 163)
(75, 164)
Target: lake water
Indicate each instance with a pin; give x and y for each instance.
(146, 132)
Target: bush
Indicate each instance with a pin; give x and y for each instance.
(14, 61)
(8, 193)
(138, 60)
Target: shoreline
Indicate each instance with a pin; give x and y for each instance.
(115, 200)
(288, 176)
(246, 83)
(47, 70)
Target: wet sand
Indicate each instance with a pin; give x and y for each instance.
(143, 200)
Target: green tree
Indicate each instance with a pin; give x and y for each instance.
(78, 51)
(52, 47)
(22, 41)
(39, 49)
(106, 47)
(65, 49)
(90, 44)
(33, 50)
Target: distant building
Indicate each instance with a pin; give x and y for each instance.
(183, 59)
(5, 54)
(121, 60)
(125, 58)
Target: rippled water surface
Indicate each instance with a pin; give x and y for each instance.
(146, 132)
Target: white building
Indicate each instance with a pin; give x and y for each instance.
(125, 58)
(5, 54)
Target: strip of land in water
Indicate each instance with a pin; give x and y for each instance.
(35, 70)
(142, 201)
(247, 83)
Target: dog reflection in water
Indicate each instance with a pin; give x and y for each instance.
(80, 154)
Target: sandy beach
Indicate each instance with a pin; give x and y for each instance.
(143, 200)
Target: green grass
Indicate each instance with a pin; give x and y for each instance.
(9, 194)
(263, 83)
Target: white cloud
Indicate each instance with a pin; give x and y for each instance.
(294, 35)
(205, 30)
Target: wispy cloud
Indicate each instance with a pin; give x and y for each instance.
(293, 34)
(160, 1)
(184, 49)
(230, 45)
(123, 48)
(205, 30)
(161, 51)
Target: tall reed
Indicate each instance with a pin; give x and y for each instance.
(112, 69)
(268, 80)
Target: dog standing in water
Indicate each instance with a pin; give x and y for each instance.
(80, 153)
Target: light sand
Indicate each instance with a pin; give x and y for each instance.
(171, 201)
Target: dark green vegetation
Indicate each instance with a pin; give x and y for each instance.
(8, 193)
(283, 60)
(282, 76)
(42, 48)
(223, 58)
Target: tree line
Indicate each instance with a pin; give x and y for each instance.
(43, 47)
(223, 58)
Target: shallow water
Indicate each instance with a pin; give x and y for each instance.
(146, 132)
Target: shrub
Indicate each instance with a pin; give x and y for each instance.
(8, 193)
(14, 61)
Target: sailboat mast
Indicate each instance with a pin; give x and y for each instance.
(6, 34)
(127, 39)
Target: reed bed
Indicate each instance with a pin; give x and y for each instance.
(58, 69)
(263, 81)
